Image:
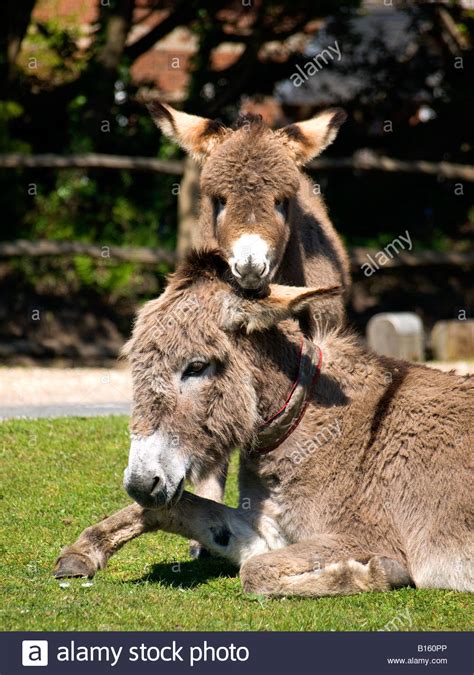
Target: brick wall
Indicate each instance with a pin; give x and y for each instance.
(166, 65)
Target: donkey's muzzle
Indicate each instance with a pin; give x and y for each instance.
(251, 274)
(148, 490)
(152, 491)
(156, 470)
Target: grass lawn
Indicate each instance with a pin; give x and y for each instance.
(59, 476)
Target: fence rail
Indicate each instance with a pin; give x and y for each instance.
(366, 160)
(17, 160)
(44, 248)
(151, 256)
(362, 160)
(360, 256)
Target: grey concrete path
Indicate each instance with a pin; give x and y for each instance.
(64, 392)
(58, 410)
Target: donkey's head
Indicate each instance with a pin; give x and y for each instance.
(198, 355)
(250, 177)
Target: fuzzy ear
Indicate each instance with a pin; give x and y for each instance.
(197, 135)
(308, 139)
(282, 302)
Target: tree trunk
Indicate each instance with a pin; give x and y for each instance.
(14, 21)
(115, 21)
(188, 208)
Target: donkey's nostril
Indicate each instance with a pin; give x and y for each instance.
(264, 267)
(258, 269)
(156, 485)
(237, 270)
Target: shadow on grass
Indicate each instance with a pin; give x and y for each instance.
(189, 573)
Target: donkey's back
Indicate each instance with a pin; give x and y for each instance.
(428, 424)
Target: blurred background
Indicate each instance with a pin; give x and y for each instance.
(95, 205)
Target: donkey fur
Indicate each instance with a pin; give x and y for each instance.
(248, 170)
(381, 500)
(251, 168)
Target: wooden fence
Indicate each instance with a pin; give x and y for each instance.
(150, 256)
(45, 248)
(362, 160)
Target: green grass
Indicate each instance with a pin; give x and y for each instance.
(60, 476)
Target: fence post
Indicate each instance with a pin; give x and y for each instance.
(188, 208)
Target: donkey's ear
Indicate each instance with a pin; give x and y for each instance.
(308, 139)
(197, 135)
(282, 302)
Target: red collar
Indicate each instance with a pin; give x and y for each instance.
(276, 428)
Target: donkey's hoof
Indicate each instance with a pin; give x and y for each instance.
(397, 575)
(73, 565)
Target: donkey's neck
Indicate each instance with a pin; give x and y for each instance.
(347, 366)
(293, 267)
(275, 356)
(314, 255)
(311, 235)
(347, 371)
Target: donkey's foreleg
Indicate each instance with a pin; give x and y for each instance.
(324, 566)
(211, 487)
(222, 530)
(97, 543)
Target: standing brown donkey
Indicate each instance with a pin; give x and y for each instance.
(356, 471)
(256, 204)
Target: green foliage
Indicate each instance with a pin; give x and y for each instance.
(106, 207)
(55, 48)
(105, 280)
(12, 192)
(66, 474)
(98, 283)
(119, 208)
(9, 111)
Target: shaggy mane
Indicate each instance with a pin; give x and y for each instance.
(208, 264)
(205, 263)
(246, 119)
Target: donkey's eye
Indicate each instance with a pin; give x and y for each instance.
(219, 204)
(195, 368)
(281, 205)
